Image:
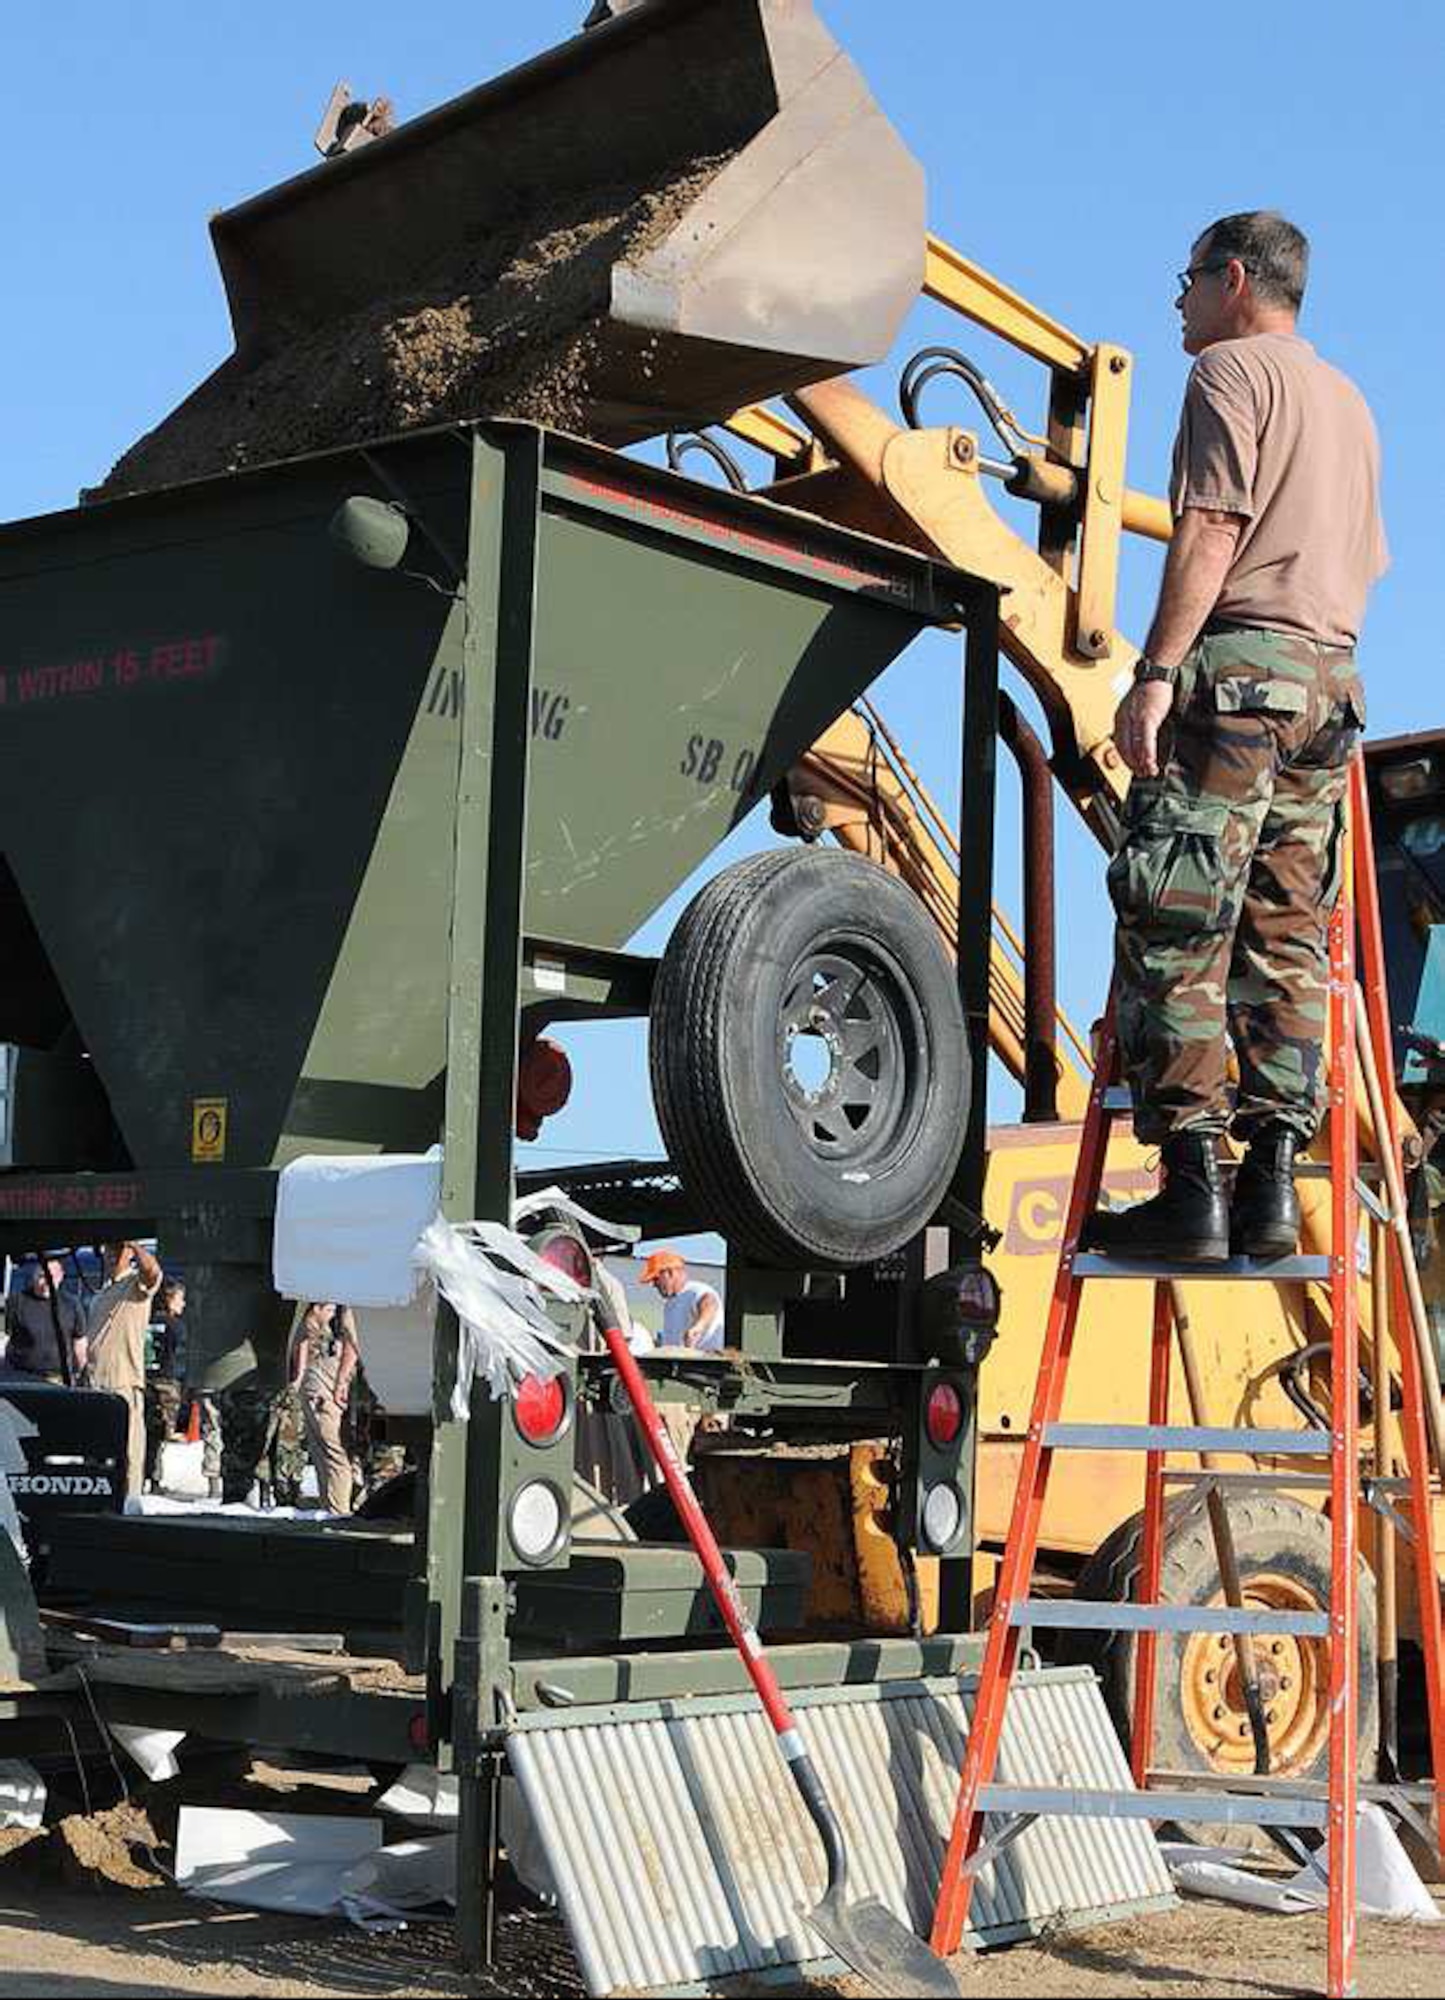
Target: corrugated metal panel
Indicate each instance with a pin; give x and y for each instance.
(681, 1852)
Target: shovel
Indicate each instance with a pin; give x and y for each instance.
(867, 1937)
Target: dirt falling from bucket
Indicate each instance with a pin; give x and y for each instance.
(513, 327)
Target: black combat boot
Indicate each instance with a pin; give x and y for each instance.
(1187, 1222)
(1264, 1215)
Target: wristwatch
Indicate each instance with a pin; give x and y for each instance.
(1146, 669)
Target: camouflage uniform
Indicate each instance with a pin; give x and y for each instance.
(263, 1444)
(1224, 881)
(163, 1414)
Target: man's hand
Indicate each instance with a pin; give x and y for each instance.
(1140, 717)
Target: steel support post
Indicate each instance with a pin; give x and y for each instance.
(464, 1513)
(979, 784)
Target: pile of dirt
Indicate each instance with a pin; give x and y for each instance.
(506, 327)
(115, 1846)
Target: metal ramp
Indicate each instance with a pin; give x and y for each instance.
(681, 1855)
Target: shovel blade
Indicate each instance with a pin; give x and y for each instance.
(872, 1942)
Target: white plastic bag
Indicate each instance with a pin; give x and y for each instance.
(506, 1333)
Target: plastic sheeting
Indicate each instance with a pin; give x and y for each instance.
(1389, 1885)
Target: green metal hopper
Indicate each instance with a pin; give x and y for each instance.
(228, 795)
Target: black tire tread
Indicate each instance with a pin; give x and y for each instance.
(704, 1132)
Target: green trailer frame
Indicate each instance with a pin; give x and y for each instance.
(522, 545)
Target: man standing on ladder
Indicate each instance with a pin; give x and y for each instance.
(1238, 731)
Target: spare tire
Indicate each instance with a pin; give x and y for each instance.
(809, 1058)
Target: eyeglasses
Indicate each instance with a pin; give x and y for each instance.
(1186, 278)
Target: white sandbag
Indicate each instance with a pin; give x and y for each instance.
(153, 1749)
(22, 1794)
(1388, 1883)
(271, 1861)
(423, 1796)
(347, 1225)
(396, 1347)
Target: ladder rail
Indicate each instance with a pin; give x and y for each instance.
(1345, 1447)
(1002, 1646)
(1412, 1423)
(1352, 1038)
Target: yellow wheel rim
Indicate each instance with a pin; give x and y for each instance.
(1294, 1679)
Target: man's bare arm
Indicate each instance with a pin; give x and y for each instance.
(148, 1266)
(1198, 561)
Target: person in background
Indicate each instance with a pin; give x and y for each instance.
(169, 1331)
(31, 1318)
(163, 1377)
(324, 1356)
(116, 1338)
(692, 1313)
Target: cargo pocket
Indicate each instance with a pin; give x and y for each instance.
(1251, 694)
(1169, 875)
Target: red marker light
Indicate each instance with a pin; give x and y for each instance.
(943, 1414)
(541, 1408)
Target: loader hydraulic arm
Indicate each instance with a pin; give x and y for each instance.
(925, 487)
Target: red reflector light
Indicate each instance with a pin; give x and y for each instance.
(943, 1414)
(564, 1253)
(417, 1733)
(541, 1408)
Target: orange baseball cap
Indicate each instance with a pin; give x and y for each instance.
(658, 1262)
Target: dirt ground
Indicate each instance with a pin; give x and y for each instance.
(86, 1908)
(109, 1941)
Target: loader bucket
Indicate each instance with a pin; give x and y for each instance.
(691, 206)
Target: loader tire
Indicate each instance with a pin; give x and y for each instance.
(1283, 1551)
(838, 1159)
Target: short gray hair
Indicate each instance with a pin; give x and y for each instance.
(1275, 253)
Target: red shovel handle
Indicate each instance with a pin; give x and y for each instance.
(724, 1590)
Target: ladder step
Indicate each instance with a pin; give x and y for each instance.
(1418, 1792)
(1216, 1809)
(1186, 1437)
(1247, 1482)
(1320, 1170)
(1093, 1264)
(1084, 1615)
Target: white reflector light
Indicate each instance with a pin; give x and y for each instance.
(942, 1516)
(536, 1522)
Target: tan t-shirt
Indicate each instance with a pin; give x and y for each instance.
(323, 1353)
(1271, 432)
(116, 1331)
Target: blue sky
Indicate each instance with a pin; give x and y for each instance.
(1075, 155)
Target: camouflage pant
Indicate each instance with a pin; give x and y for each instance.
(163, 1413)
(1223, 885)
(264, 1443)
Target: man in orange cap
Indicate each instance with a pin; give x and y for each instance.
(692, 1314)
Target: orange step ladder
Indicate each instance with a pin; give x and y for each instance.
(1283, 1802)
